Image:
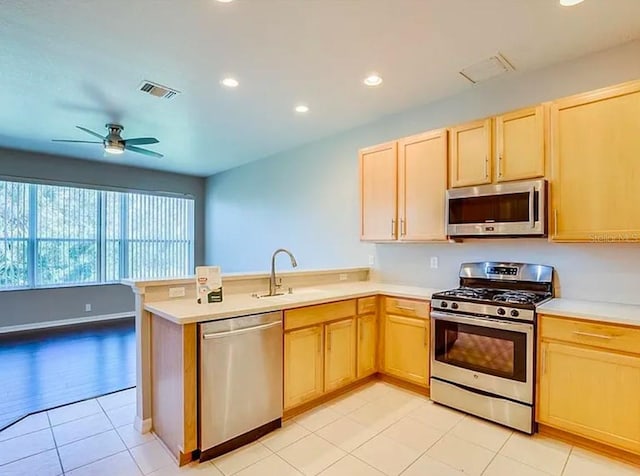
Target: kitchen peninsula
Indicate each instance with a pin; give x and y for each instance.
(379, 330)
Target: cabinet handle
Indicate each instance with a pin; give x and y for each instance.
(486, 166)
(406, 308)
(426, 343)
(403, 227)
(555, 222)
(500, 165)
(393, 227)
(589, 334)
(360, 330)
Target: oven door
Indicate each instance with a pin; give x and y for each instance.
(517, 208)
(483, 354)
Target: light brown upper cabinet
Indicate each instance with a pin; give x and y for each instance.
(403, 187)
(520, 144)
(595, 174)
(470, 154)
(422, 178)
(378, 192)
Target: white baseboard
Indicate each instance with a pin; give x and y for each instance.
(65, 322)
(143, 426)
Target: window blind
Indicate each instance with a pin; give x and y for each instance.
(58, 236)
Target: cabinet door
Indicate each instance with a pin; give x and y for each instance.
(470, 154)
(340, 354)
(595, 168)
(422, 178)
(378, 192)
(303, 364)
(367, 341)
(592, 393)
(406, 348)
(520, 141)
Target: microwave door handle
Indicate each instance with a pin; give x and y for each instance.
(532, 196)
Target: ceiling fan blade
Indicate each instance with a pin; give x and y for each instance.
(140, 150)
(77, 141)
(141, 141)
(88, 131)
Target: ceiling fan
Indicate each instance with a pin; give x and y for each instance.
(114, 143)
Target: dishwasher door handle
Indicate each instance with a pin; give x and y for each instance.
(220, 335)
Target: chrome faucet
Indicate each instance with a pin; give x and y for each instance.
(273, 286)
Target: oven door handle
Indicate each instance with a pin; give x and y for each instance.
(482, 321)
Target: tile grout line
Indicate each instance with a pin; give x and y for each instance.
(566, 462)
(127, 449)
(287, 463)
(432, 445)
(55, 443)
(495, 454)
(113, 428)
(248, 466)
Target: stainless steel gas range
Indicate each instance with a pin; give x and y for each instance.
(483, 341)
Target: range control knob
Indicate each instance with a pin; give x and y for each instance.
(454, 305)
(443, 304)
(515, 313)
(501, 311)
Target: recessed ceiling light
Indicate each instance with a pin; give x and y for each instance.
(373, 80)
(302, 108)
(225, 1)
(230, 82)
(570, 3)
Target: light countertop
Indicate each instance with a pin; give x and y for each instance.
(186, 311)
(614, 313)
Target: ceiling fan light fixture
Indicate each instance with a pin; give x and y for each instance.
(113, 149)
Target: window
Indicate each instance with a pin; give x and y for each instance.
(54, 236)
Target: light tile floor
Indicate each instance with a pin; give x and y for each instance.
(375, 430)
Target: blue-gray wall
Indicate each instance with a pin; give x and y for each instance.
(39, 305)
(307, 199)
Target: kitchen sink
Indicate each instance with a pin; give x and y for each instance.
(287, 296)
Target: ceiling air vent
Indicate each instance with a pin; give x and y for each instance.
(485, 69)
(158, 90)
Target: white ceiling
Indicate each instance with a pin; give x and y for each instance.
(79, 62)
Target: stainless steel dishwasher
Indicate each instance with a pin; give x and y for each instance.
(240, 381)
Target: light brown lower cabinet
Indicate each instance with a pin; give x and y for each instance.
(406, 348)
(367, 332)
(339, 353)
(321, 348)
(303, 365)
(586, 385)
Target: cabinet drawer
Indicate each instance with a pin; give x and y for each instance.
(367, 305)
(308, 316)
(406, 307)
(606, 336)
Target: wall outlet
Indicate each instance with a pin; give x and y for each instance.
(87, 308)
(372, 260)
(434, 262)
(343, 277)
(176, 292)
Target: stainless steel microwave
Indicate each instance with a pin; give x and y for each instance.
(507, 209)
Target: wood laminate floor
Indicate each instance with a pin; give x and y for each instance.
(44, 369)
